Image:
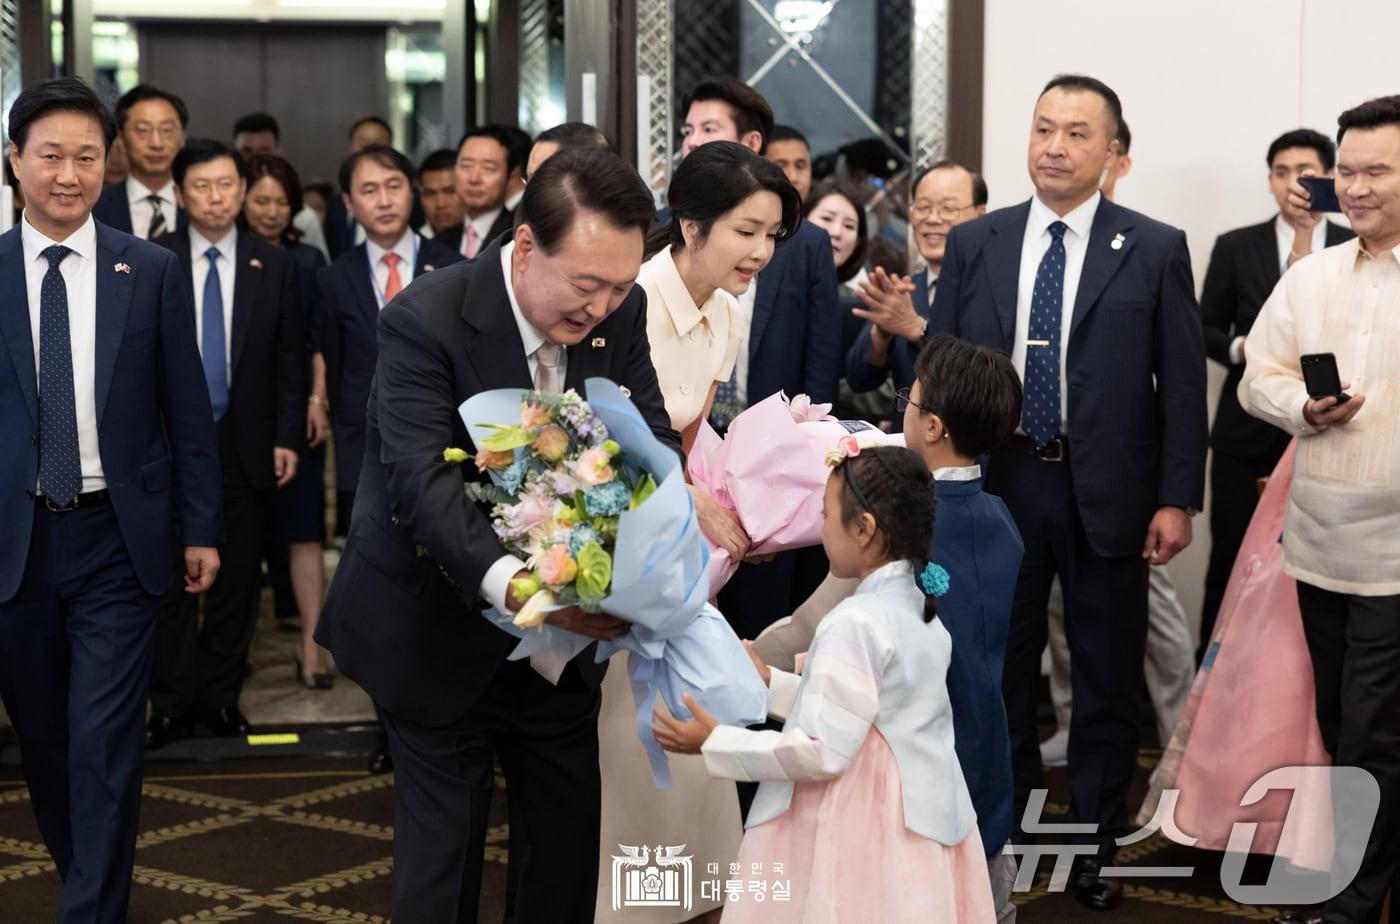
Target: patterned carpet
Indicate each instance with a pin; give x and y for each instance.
(309, 839)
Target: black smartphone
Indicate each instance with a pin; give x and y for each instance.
(1321, 378)
(1323, 192)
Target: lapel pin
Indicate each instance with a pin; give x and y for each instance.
(427, 267)
(255, 263)
(1117, 242)
(123, 268)
(626, 392)
(599, 342)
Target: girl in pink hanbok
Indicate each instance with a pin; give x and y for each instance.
(862, 801)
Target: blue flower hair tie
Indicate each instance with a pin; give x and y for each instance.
(933, 580)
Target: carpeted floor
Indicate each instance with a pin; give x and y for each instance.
(309, 839)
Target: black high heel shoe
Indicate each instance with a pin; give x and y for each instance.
(317, 681)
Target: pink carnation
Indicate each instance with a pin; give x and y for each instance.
(556, 567)
(552, 444)
(594, 467)
(486, 460)
(803, 410)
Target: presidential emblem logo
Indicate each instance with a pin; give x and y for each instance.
(642, 878)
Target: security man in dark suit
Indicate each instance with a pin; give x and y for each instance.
(108, 436)
(152, 124)
(1096, 307)
(1244, 267)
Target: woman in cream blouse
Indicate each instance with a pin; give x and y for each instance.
(729, 209)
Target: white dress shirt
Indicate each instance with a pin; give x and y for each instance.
(228, 264)
(497, 580)
(141, 208)
(1033, 247)
(79, 271)
(406, 248)
(482, 224)
(1285, 233)
(742, 319)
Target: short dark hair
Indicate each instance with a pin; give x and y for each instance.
(788, 133)
(572, 134)
(143, 92)
(383, 155)
(834, 187)
(975, 389)
(441, 159)
(1383, 110)
(714, 180)
(979, 185)
(502, 135)
(201, 151)
(255, 122)
(367, 120)
(1305, 138)
(749, 109)
(1086, 84)
(62, 94)
(583, 178)
(281, 170)
(517, 147)
(1125, 137)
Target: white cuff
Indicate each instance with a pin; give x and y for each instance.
(1300, 423)
(495, 586)
(1237, 351)
(782, 692)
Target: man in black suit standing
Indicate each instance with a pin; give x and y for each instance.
(152, 124)
(486, 159)
(551, 307)
(108, 436)
(251, 335)
(1244, 267)
(1096, 307)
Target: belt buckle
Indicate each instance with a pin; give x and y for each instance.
(52, 508)
(1054, 451)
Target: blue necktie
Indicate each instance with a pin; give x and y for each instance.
(212, 341)
(60, 470)
(1040, 416)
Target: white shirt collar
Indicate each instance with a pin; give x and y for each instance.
(227, 248)
(958, 473)
(83, 241)
(136, 191)
(404, 247)
(529, 334)
(482, 223)
(1080, 221)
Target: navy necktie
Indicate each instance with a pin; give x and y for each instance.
(60, 469)
(1040, 417)
(212, 339)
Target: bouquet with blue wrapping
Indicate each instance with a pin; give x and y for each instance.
(599, 510)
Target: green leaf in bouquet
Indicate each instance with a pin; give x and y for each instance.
(506, 439)
(479, 493)
(581, 506)
(644, 489)
(594, 572)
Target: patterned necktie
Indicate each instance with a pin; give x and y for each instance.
(212, 342)
(60, 469)
(470, 242)
(726, 405)
(393, 284)
(157, 225)
(547, 377)
(1040, 417)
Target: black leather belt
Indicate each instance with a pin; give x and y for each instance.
(1057, 450)
(90, 499)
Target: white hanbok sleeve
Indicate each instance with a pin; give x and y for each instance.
(837, 701)
(782, 692)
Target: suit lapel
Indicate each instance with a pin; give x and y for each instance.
(921, 302)
(113, 302)
(246, 280)
(1101, 259)
(362, 283)
(495, 350)
(1336, 234)
(1003, 265)
(1265, 246)
(765, 297)
(14, 318)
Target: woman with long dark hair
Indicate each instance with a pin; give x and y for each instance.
(729, 209)
(298, 515)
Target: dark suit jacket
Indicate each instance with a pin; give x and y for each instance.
(402, 613)
(452, 237)
(795, 337)
(114, 210)
(154, 428)
(267, 387)
(863, 375)
(1134, 361)
(1243, 270)
(347, 320)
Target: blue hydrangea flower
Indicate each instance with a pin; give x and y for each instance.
(933, 580)
(513, 477)
(580, 536)
(607, 500)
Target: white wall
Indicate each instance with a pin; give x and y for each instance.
(1205, 87)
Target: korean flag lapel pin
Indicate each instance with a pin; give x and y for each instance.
(427, 267)
(599, 342)
(255, 263)
(123, 268)
(1117, 241)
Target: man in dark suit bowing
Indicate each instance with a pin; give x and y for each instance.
(251, 334)
(108, 436)
(553, 306)
(1096, 307)
(1244, 267)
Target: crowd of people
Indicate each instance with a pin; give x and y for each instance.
(1046, 368)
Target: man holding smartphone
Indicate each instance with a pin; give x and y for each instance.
(1343, 521)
